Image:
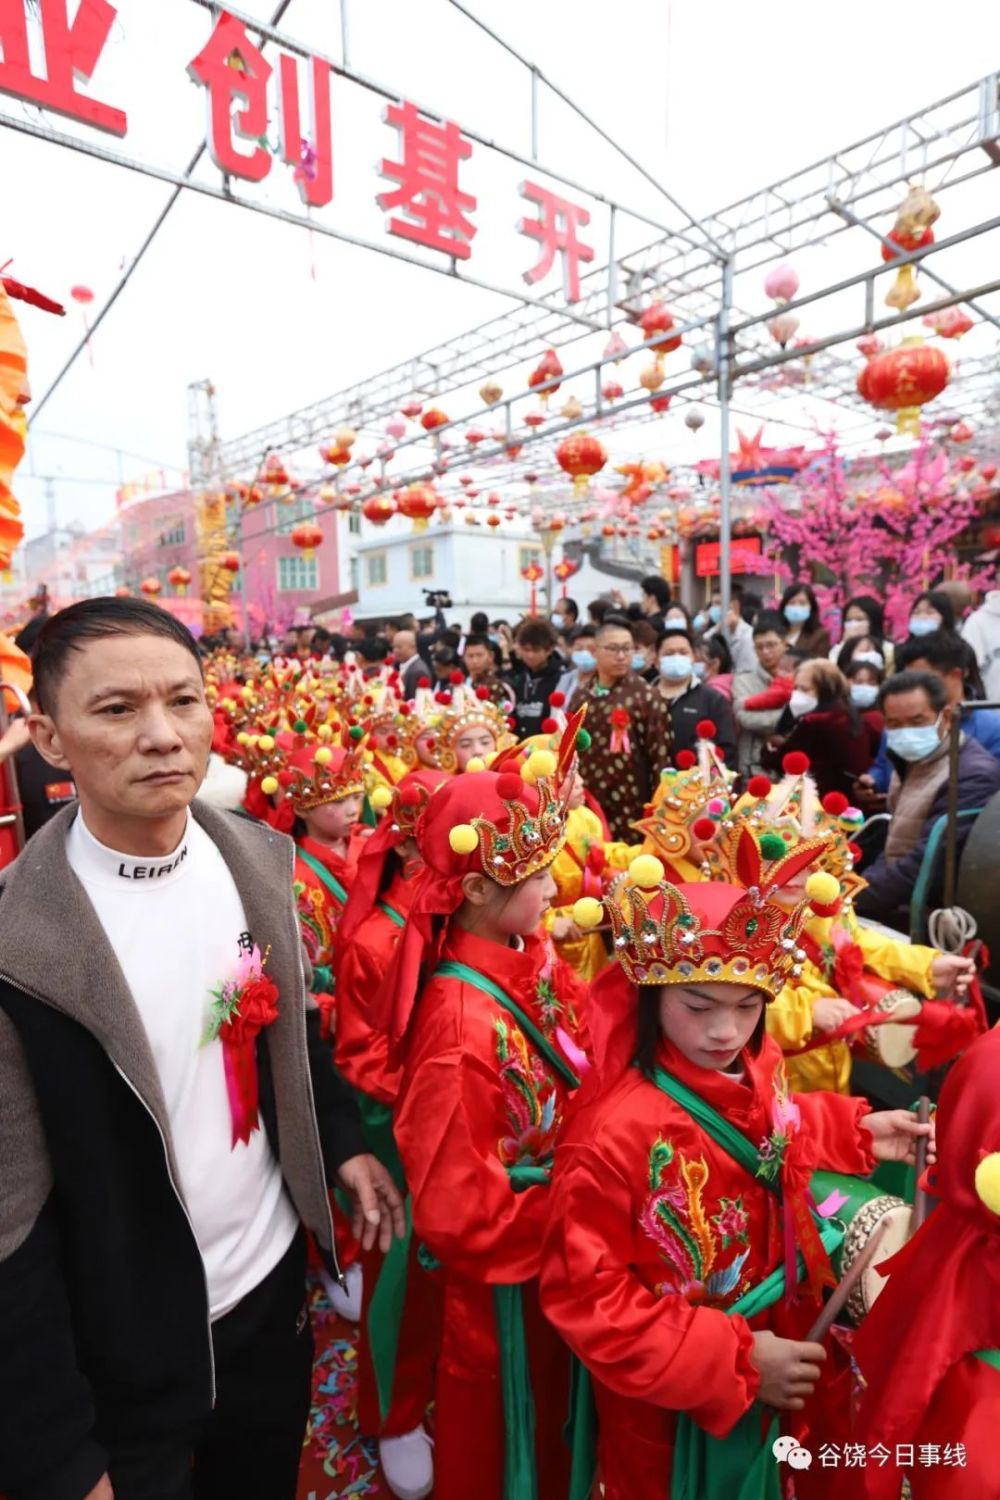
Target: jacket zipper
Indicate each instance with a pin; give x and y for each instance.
(170, 1176)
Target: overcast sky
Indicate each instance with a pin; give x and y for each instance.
(714, 96)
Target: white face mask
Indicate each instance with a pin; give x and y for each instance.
(802, 703)
(873, 658)
(855, 627)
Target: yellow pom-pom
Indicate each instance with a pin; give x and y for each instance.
(246, 694)
(463, 838)
(587, 912)
(242, 738)
(646, 871)
(229, 704)
(324, 732)
(539, 763)
(988, 1181)
(269, 785)
(253, 740)
(476, 764)
(380, 798)
(323, 755)
(823, 889)
(266, 742)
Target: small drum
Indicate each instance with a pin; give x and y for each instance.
(894, 1045)
(861, 1215)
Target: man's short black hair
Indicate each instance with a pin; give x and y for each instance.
(93, 620)
(770, 622)
(480, 623)
(571, 608)
(669, 631)
(613, 622)
(915, 682)
(535, 631)
(658, 588)
(938, 648)
(478, 639)
(582, 633)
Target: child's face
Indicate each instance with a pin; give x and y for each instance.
(576, 796)
(517, 911)
(787, 665)
(709, 1023)
(334, 820)
(472, 742)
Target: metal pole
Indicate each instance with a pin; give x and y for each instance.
(243, 579)
(951, 829)
(534, 114)
(345, 34)
(722, 363)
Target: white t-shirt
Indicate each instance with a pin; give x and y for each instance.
(178, 929)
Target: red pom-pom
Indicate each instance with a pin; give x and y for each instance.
(549, 726)
(556, 700)
(423, 682)
(443, 698)
(457, 677)
(391, 741)
(509, 786)
(619, 718)
(685, 759)
(705, 729)
(703, 830)
(759, 786)
(835, 803)
(430, 743)
(406, 709)
(795, 763)
(854, 850)
(482, 693)
(409, 796)
(286, 778)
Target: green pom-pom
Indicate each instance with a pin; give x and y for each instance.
(300, 726)
(286, 687)
(583, 739)
(356, 732)
(773, 846)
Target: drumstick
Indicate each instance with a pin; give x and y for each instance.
(919, 1211)
(845, 1287)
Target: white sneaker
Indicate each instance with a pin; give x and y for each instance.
(408, 1464)
(345, 1301)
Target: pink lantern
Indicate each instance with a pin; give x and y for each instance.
(616, 348)
(396, 428)
(781, 283)
(782, 327)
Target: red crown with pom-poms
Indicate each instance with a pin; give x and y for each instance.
(691, 801)
(315, 772)
(714, 932)
(786, 814)
(532, 830)
(466, 707)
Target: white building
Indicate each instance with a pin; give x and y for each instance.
(479, 568)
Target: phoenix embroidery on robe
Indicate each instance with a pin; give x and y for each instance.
(530, 1099)
(317, 930)
(693, 1245)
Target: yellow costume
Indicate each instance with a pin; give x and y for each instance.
(574, 876)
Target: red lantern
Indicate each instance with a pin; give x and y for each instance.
(548, 368)
(660, 403)
(124, 592)
(179, 578)
(307, 537)
(656, 320)
(417, 502)
(612, 391)
(581, 456)
(151, 587)
(903, 380)
(949, 323)
(474, 436)
(533, 573)
(534, 419)
(433, 419)
(378, 509)
(514, 450)
(411, 409)
(230, 561)
(960, 433)
(493, 520)
(274, 473)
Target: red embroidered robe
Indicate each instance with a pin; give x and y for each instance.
(476, 1098)
(653, 1231)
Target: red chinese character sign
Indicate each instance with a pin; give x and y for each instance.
(72, 53)
(434, 207)
(235, 74)
(556, 231)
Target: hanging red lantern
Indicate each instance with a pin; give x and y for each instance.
(412, 409)
(660, 403)
(493, 520)
(179, 578)
(274, 473)
(903, 380)
(581, 456)
(656, 324)
(949, 323)
(534, 419)
(474, 436)
(904, 289)
(151, 587)
(378, 509)
(417, 502)
(230, 561)
(307, 537)
(989, 472)
(433, 419)
(548, 368)
(612, 391)
(961, 433)
(124, 592)
(514, 450)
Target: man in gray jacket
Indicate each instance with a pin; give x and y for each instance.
(169, 1116)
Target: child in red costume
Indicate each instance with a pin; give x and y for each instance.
(682, 1179)
(490, 1061)
(930, 1348)
(394, 1388)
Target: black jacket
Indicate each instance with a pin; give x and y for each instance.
(531, 692)
(698, 703)
(104, 1327)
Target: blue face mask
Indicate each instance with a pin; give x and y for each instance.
(915, 742)
(699, 669)
(923, 625)
(699, 622)
(494, 638)
(715, 613)
(864, 694)
(675, 668)
(797, 614)
(638, 662)
(584, 661)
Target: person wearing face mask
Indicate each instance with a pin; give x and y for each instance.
(931, 611)
(565, 615)
(821, 721)
(918, 721)
(645, 639)
(737, 634)
(800, 608)
(582, 663)
(864, 620)
(536, 676)
(689, 701)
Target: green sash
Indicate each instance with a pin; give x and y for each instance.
(486, 986)
(331, 882)
(391, 912)
(989, 1357)
(520, 1479)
